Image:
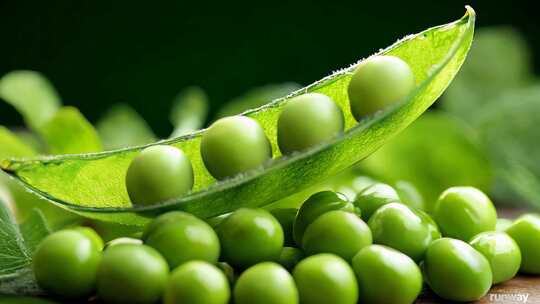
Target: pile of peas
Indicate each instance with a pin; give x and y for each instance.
(378, 248)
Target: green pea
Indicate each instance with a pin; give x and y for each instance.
(503, 224)
(123, 240)
(373, 197)
(456, 271)
(197, 282)
(502, 253)
(250, 236)
(409, 195)
(163, 220)
(526, 232)
(308, 120)
(325, 278)
(338, 232)
(265, 283)
(377, 83)
(92, 235)
(188, 238)
(386, 276)
(463, 212)
(65, 264)
(158, 173)
(402, 228)
(131, 273)
(286, 217)
(316, 205)
(233, 145)
(289, 257)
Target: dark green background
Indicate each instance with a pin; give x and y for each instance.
(143, 52)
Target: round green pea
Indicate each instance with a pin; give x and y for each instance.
(123, 240)
(502, 253)
(233, 145)
(163, 220)
(373, 197)
(316, 205)
(526, 232)
(131, 273)
(377, 83)
(456, 271)
(289, 257)
(250, 236)
(185, 239)
(308, 120)
(197, 282)
(65, 264)
(265, 283)
(339, 232)
(463, 212)
(386, 276)
(503, 224)
(404, 229)
(325, 278)
(286, 217)
(158, 173)
(92, 235)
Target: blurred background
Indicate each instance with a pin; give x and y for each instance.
(139, 71)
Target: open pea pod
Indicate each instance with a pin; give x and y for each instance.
(93, 184)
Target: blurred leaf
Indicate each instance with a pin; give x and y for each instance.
(17, 245)
(509, 130)
(31, 94)
(122, 127)
(189, 111)
(257, 97)
(12, 146)
(94, 183)
(436, 152)
(499, 60)
(23, 300)
(68, 132)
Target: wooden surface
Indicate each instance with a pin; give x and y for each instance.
(522, 289)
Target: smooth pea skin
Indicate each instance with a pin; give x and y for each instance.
(373, 197)
(316, 205)
(502, 253)
(131, 273)
(265, 283)
(308, 120)
(92, 235)
(197, 282)
(456, 271)
(526, 232)
(404, 229)
(503, 224)
(377, 83)
(339, 232)
(463, 212)
(158, 173)
(286, 218)
(233, 145)
(386, 276)
(325, 278)
(185, 239)
(250, 236)
(65, 264)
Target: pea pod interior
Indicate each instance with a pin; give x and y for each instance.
(93, 184)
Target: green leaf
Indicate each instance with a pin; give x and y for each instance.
(23, 300)
(509, 131)
(257, 97)
(17, 246)
(499, 60)
(94, 183)
(436, 152)
(31, 94)
(12, 146)
(68, 132)
(189, 111)
(123, 127)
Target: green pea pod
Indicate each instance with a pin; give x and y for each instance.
(93, 184)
